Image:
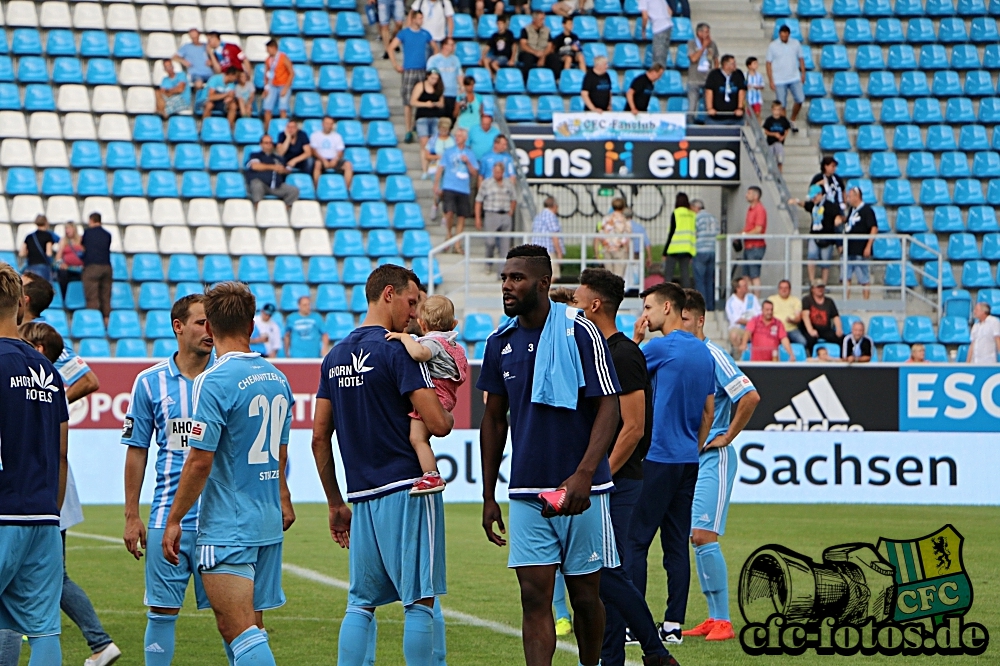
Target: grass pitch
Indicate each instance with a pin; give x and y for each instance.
(304, 632)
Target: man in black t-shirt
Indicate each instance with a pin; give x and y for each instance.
(598, 296)
(820, 317)
(37, 249)
(293, 147)
(641, 89)
(596, 91)
(776, 129)
(500, 47)
(566, 50)
(725, 93)
(860, 224)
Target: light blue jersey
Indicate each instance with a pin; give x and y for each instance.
(305, 335)
(161, 407)
(242, 412)
(71, 367)
(730, 385)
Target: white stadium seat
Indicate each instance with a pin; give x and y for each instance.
(16, 152)
(203, 213)
(73, 97)
(220, 19)
(272, 213)
(12, 124)
(167, 212)
(279, 242)
(252, 22)
(88, 16)
(78, 127)
(140, 238)
(108, 99)
(114, 127)
(133, 210)
(154, 18)
(246, 3)
(2, 22)
(306, 214)
(210, 240)
(140, 99)
(62, 209)
(21, 14)
(116, 237)
(175, 240)
(122, 17)
(160, 45)
(186, 18)
(24, 230)
(213, 3)
(237, 213)
(103, 205)
(256, 50)
(56, 15)
(244, 240)
(25, 208)
(45, 125)
(134, 72)
(6, 234)
(4, 217)
(50, 153)
(314, 243)
(182, 2)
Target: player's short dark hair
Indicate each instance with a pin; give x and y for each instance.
(10, 288)
(95, 217)
(40, 334)
(230, 308)
(182, 307)
(388, 274)
(39, 292)
(694, 302)
(756, 189)
(535, 255)
(784, 28)
(607, 285)
(750, 60)
(667, 291)
(567, 19)
(682, 201)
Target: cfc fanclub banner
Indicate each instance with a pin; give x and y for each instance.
(619, 126)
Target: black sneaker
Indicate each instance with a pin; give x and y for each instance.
(385, 55)
(671, 637)
(659, 660)
(630, 638)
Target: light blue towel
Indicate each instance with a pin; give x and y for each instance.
(558, 373)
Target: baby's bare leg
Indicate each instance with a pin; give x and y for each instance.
(420, 440)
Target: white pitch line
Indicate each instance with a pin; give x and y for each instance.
(97, 537)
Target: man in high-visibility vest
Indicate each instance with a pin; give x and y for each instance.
(680, 246)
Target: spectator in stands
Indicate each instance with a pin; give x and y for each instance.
(725, 93)
(918, 353)
(223, 56)
(984, 343)
(294, 147)
(822, 356)
(658, 15)
(596, 92)
(435, 149)
(499, 155)
(754, 248)
(481, 136)
(535, 44)
(453, 182)
(860, 222)
(820, 318)
(222, 96)
(857, 347)
(468, 107)
(245, 94)
(327, 149)
(765, 333)
(391, 17)
(428, 100)
(37, 249)
(741, 307)
(566, 49)
(788, 310)
(776, 128)
(501, 46)
(97, 267)
(786, 71)
(495, 203)
(546, 222)
(681, 242)
(707, 229)
(832, 211)
(449, 68)
(413, 40)
(304, 334)
(194, 57)
(641, 89)
(680, 8)
(266, 337)
(172, 97)
(438, 18)
(279, 75)
(617, 245)
(495, 7)
(755, 86)
(567, 8)
(704, 57)
(265, 174)
(69, 258)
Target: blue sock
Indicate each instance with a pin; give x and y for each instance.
(229, 653)
(251, 649)
(559, 596)
(372, 642)
(440, 643)
(699, 562)
(418, 635)
(159, 640)
(45, 651)
(712, 571)
(354, 637)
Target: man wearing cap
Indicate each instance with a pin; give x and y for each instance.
(786, 71)
(266, 338)
(833, 209)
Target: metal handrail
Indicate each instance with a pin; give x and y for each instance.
(774, 173)
(526, 200)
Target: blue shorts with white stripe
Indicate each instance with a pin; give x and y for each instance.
(716, 476)
(581, 544)
(261, 564)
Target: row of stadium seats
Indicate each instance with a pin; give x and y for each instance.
(981, 30)
(881, 8)
(895, 352)
(911, 84)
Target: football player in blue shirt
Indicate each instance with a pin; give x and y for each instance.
(368, 386)
(682, 373)
(716, 474)
(161, 407)
(239, 437)
(33, 442)
(552, 448)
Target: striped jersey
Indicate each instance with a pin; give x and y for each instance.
(241, 408)
(161, 408)
(730, 385)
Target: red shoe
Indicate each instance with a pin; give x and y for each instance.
(702, 629)
(429, 483)
(722, 630)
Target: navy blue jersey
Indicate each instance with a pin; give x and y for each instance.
(32, 407)
(682, 372)
(368, 381)
(548, 443)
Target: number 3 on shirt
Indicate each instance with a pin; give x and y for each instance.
(276, 412)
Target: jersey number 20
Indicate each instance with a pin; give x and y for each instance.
(272, 414)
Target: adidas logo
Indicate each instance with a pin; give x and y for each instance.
(506, 350)
(155, 647)
(817, 408)
(704, 517)
(594, 557)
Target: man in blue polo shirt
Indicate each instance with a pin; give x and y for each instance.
(304, 333)
(396, 539)
(498, 154)
(682, 373)
(550, 368)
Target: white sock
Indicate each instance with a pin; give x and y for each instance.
(671, 626)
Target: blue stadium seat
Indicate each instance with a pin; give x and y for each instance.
(991, 53)
(101, 71)
(397, 189)
(21, 180)
(593, 49)
(477, 327)
(776, 8)
(10, 97)
(424, 272)
(958, 111)
(57, 182)
(509, 81)
(993, 192)
(886, 249)
(930, 278)
(264, 293)
(359, 158)
(381, 243)
(957, 303)
(295, 49)
(416, 242)
(305, 184)
(901, 57)
(374, 106)
(927, 110)
(991, 296)
(356, 270)
(487, 27)
(331, 298)
(883, 84)
(324, 52)
(215, 130)
(196, 184)
(253, 268)
(978, 83)
(147, 268)
(290, 295)
(358, 52)
(897, 192)
(67, 70)
(95, 348)
(986, 164)
(148, 128)
(407, 216)
(971, 8)
(74, 299)
(834, 137)
(60, 43)
(822, 112)
(348, 243)
(834, 57)
(6, 66)
(187, 288)
(339, 325)
(161, 184)
(822, 31)
(921, 165)
(934, 192)
(121, 296)
(989, 110)
(946, 84)
(374, 215)
(223, 157)
(94, 44)
(151, 155)
(969, 192)
(541, 81)
(892, 276)
(85, 154)
(181, 129)
(924, 247)
(468, 52)
(163, 347)
(962, 247)
(983, 219)
(284, 22)
(26, 42)
(883, 165)
(845, 84)
(316, 24)
(153, 295)
(332, 78)
(340, 213)
(183, 268)
(977, 274)
(983, 30)
(941, 138)
(918, 328)
(549, 104)
(953, 330)
(910, 220)
(585, 27)
(484, 81)
(39, 97)
(954, 164)
(121, 324)
(381, 133)
(32, 69)
(340, 106)
(964, 56)
(684, 32)
(616, 29)
(952, 31)
(464, 28)
(849, 165)
(626, 55)
(390, 161)
(907, 138)
(130, 348)
(810, 9)
(322, 270)
(307, 105)
(814, 86)
(896, 352)
(127, 45)
(216, 268)
(877, 8)
(857, 31)
(912, 84)
(920, 31)
(858, 112)
(92, 183)
(866, 186)
(349, 25)
(570, 82)
(846, 8)
(518, 109)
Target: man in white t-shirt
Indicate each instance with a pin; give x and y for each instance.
(438, 17)
(741, 307)
(266, 332)
(657, 13)
(985, 341)
(328, 148)
(786, 71)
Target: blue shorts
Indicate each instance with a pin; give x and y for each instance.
(391, 10)
(261, 564)
(816, 252)
(167, 584)
(716, 476)
(857, 268)
(753, 254)
(274, 102)
(581, 544)
(781, 91)
(397, 550)
(31, 579)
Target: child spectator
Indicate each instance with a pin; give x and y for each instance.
(500, 47)
(755, 84)
(776, 129)
(245, 93)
